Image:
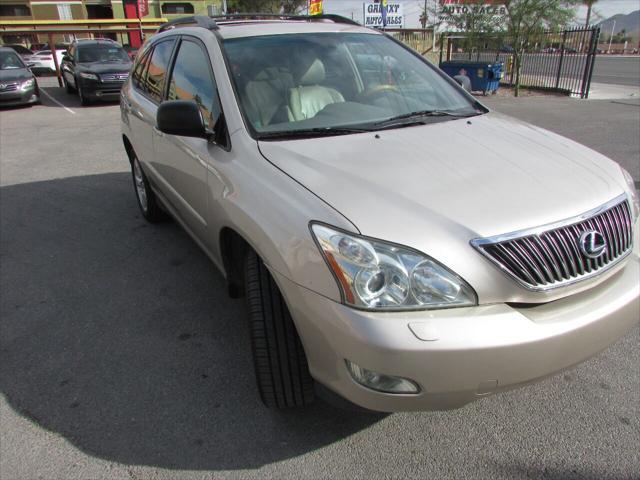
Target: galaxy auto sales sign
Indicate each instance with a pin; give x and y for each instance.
(451, 11)
(373, 15)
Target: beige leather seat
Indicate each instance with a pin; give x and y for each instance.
(309, 97)
(266, 97)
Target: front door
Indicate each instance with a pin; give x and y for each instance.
(182, 161)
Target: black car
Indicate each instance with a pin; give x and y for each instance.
(95, 69)
(18, 85)
(21, 50)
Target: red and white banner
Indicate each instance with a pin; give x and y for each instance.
(143, 8)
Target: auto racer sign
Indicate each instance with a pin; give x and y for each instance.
(373, 15)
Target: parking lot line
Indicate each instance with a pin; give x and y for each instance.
(57, 102)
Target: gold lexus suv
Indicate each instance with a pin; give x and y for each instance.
(400, 246)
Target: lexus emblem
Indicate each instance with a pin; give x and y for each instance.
(592, 243)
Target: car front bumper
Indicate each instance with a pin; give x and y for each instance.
(459, 355)
(19, 97)
(101, 90)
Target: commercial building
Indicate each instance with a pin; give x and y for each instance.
(98, 9)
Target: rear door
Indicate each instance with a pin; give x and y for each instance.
(145, 93)
(183, 161)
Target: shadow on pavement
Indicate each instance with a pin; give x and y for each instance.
(119, 336)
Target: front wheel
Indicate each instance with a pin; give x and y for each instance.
(67, 86)
(280, 363)
(84, 101)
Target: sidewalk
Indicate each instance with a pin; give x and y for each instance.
(606, 91)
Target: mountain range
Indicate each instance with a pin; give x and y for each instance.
(630, 23)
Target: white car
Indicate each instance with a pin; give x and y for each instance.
(43, 60)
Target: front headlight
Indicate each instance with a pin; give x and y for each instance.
(89, 76)
(635, 201)
(378, 275)
(28, 83)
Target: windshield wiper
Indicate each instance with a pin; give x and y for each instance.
(312, 132)
(426, 113)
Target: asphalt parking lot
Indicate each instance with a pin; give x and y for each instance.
(122, 357)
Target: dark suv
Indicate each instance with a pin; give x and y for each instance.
(95, 69)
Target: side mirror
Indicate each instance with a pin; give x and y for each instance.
(66, 58)
(181, 117)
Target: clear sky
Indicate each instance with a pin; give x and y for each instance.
(412, 8)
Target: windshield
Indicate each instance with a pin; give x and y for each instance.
(323, 81)
(102, 53)
(20, 49)
(10, 60)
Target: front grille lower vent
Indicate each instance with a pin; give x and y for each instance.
(541, 258)
(114, 77)
(10, 87)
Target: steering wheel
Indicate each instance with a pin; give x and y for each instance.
(385, 87)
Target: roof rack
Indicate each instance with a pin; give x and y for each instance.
(284, 16)
(193, 21)
(210, 22)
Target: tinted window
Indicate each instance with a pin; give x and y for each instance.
(154, 83)
(103, 53)
(177, 8)
(192, 80)
(14, 11)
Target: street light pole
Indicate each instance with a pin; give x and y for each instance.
(611, 37)
(433, 32)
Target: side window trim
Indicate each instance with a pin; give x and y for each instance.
(138, 69)
(174, 40)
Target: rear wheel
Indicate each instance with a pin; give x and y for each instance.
(280, 363)
(146, 198)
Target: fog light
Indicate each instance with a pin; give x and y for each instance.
(381, 382)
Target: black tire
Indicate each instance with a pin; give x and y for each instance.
(149, 206)
(84, 101)
(280, 364)
(67, 86)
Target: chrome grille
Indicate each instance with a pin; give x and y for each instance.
(114, 77)
(552, 256)
(8, 87)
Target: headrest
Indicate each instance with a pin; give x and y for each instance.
(314, 74)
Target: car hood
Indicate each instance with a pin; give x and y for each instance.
(13, 75)
(111, 67)
(475, 177)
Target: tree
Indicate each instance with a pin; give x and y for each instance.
(266, 6)
(589, 5)
(424, 18)
(526, 18)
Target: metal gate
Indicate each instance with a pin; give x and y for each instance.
(558, 61)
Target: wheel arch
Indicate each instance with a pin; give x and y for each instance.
(128, 148)
(233, 249)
